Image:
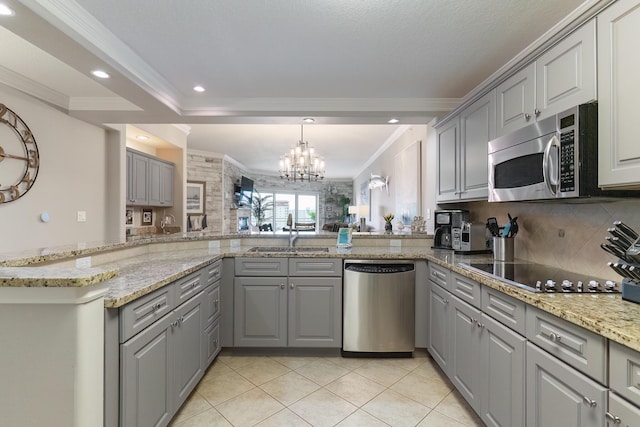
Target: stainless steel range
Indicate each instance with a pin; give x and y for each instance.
(542, 278)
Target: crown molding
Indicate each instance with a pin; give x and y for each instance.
(33, 88)
(74, 21)
(111, 103)
(392, 138)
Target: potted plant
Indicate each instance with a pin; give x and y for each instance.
(344, 202)
(261, 206)
(388, 227)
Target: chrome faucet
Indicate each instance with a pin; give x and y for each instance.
(292, 238)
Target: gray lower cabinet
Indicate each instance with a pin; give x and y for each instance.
(145, 376)
(315, 312)
(294, 312)
(465, 350)
(502, 374)
(160, 366)
(260, 312)
(558, 395)
(439, 330)
(484, 359)
(622, 413)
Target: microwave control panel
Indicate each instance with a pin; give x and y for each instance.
(568, 154)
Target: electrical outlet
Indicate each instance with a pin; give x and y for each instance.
(560, 232)
(82, 216)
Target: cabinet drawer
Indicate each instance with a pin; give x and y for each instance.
(139, 314)
(187, 287)
(582, 349)
(466, 289)
(624, 371)
(212, 273)
(211, 303)
(620, 409)
(505, 309)
(439, 275)
(315, 267)
(262, 267)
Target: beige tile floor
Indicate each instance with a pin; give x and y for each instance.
(241, 390)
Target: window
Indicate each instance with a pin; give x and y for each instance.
(302, 207)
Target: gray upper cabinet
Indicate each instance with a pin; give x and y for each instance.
(516, 101)
(618, 94)
(149, 180)
(477, 128)
(160, 183)
(562, 77)
(560, 396)
(462, 152)
(137, 179)
(448, 162)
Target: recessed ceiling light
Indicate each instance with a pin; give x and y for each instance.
(393, 121)
(6, 10)
(100, 74)
(198, 88)
(142, 137)
(308, 120)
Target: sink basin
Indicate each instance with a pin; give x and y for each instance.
(286, 249)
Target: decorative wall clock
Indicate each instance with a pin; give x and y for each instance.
(19, 159)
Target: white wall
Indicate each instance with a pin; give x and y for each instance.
(382, 202)
(72, 178)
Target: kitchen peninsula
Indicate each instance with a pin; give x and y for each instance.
(106, 277)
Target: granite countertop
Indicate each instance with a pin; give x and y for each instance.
(130, 278)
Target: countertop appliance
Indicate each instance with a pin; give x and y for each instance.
(542, 278)
(444, 221)
(554, 158)
(378, 308)
(472, 239)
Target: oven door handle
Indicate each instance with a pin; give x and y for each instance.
(550, 170)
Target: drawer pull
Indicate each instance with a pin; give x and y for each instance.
(554, 337)
(591, 403)
(612, 418)
(155, 307)
(480, 325)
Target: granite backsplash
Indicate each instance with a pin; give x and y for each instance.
(563, 234)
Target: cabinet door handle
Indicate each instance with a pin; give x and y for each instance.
(480, 325)
(291, 286)
(281, 285)
(612, 418)
(446, 301)
(527, 116)
(591, 403)
(536, 112)
(555, 337)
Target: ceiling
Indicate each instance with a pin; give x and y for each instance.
(352, 65)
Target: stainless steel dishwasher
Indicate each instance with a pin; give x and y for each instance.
(379, 307)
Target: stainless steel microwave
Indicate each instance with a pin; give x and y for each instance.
(553, 158)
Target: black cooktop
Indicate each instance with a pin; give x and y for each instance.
(543, 278)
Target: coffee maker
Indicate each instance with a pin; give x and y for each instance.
(444, 222)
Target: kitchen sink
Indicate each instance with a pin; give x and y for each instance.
(286, 249)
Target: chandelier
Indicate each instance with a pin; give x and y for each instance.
(301, 162)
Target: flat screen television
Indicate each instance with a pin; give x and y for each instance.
(246, 192)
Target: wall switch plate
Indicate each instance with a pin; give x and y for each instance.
(82, 216)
